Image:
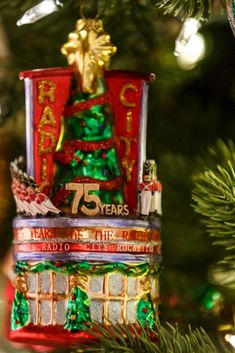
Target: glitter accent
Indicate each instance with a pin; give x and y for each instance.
(60, 283)
(31, 283)
(32, 311)
(131, 311)
(76, 108)
(131, 286)
(70, 147)
(45, 283)
(115, 283)
(96, 308)
(96, 284)
(114, 311)
(45, 312)
(60, 308)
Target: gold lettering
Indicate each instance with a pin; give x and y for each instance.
(46, 89)
(123, 99)
(128, 121)
(128, 167)
(46, 136)
(127, 141)
(47, 118)
(49, 137)
(127, 164)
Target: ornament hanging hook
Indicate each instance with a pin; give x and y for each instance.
(82, 6)
(83, 16)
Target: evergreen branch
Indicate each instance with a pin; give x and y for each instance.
(123, 338)
(183, 9)
(214, 195)
(192, 8)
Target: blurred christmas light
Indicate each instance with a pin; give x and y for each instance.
(230, 339)
(189, 29)
(193, 52)
(35, 13)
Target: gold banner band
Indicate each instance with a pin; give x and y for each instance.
(91, 233)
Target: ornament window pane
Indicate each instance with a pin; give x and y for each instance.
(31, 282)
(131, 311)
(131, 286)
(97, 284)
(115, 311)
(115, 284)
(60, 311)
(45, 282)
(60, 284)
(45, 312)
(32, 311)
(96, 309)
(48, 294)
(114, 296)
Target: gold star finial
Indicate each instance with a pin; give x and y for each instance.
(89, 51)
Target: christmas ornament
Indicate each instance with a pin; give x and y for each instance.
(230, 7)
(82, 252)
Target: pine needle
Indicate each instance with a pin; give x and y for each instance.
(214, 195)
(166, 338)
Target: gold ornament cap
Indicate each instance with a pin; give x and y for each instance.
(89, 51)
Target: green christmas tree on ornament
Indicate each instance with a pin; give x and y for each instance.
(20, 311)
(20, 307)
(78, 306)
(86, 153)
(78, 311)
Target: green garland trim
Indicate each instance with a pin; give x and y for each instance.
(87, 268)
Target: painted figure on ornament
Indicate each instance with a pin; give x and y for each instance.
(150, 191)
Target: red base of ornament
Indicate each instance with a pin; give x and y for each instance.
(51, 336)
